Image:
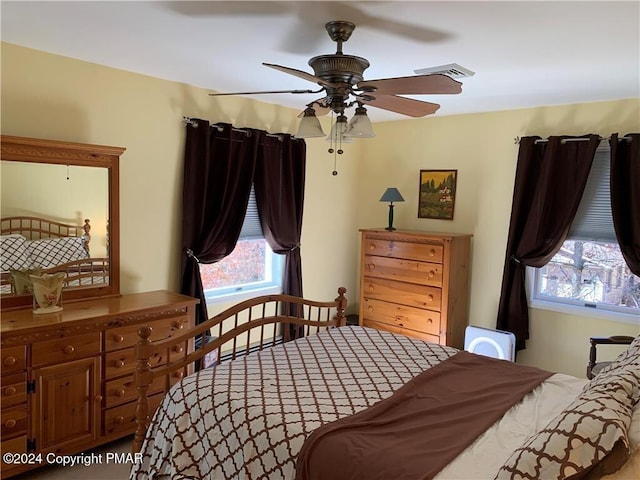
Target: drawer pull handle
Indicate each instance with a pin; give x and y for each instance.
(178, 349)
(432, 252)
(120, 392)
(69, 349)
(9, 361)
(371, 287)
(10, 391)
(430, 298)
(178, 375)
(177, 324)
(98, 398)
(119, 419)
(432, 274)
(372, 246)
(118, 338)
(429, 320)
(372, 266)
(119, 364)
(11, 423)
(370, 308)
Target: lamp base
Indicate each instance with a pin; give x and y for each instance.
(390, 227)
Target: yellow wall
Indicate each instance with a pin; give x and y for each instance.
(482, 148)
(49, 96)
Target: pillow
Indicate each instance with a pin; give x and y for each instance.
(627, 360)
(13, 253)
(51, 252)
(588, 438)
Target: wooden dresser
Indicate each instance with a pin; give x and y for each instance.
(416, 283)
(67, 378)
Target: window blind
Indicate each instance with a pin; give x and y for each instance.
(251, 227)
(593, 221)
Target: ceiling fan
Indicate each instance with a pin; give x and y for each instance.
(341, 81)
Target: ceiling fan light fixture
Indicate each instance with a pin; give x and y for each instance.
(360, 125)
(310, 125)
(338, 130)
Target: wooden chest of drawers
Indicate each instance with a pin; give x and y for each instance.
(416, 283)
(67, 377)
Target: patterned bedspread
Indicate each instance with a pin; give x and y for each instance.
(248, 418)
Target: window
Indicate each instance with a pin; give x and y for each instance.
(251, 269)
(589, 275)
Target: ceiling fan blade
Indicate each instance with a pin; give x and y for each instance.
(413, 85)
(405, 106)
(301, 74)
(321, 107)
(264, 92)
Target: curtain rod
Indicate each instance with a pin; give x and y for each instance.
(194, 123)
(545, 140)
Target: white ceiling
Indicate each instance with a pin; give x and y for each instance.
(525, 54)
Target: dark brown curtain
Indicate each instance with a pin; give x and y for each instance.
(219, 163)
(550, 179)
(625, 196)
(279, 185)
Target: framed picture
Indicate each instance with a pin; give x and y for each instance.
(437, 195)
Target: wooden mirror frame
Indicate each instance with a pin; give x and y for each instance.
(23, 149)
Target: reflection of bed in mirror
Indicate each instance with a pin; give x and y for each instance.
(65, 182)
(33, 245)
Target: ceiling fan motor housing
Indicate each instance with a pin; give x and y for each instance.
(344, 70)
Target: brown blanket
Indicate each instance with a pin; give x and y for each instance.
(423, 426)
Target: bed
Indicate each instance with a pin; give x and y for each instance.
(348, 402)
(34, 245)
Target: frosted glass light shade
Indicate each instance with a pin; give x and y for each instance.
(338, 130)
(360, 125)
(310, 125)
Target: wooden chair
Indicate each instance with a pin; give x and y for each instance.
(594, 367)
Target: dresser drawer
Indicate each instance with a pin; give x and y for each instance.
(65, 349)
(402, 316)
(14, 389)
(123, 390)
(402, 331)
(123, 337)
(421, 273)
(407, 250)
(14, 359)
(123, 418)
(14, 421)
(420, 296)
(123, 362)
(13, 445)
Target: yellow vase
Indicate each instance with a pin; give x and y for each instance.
(47, 292)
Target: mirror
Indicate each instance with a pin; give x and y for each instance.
(60, 213)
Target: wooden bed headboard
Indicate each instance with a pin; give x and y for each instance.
(231, 336)
(35, 228)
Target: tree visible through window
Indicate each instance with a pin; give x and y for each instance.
(589, 273)
(245, 265)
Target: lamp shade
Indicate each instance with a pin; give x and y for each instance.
(309, 125)
(391, 194)
(338, 130)
(360, 125)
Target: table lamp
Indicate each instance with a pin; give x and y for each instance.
(391, 195)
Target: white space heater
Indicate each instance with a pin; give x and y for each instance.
(490, 343)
